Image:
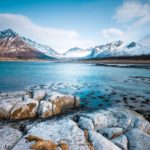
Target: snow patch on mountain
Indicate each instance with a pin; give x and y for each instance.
(77, 53)
(119, 48)
(43, 48)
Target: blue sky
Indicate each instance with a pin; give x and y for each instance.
(63, 24)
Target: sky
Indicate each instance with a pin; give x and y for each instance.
(63, 24)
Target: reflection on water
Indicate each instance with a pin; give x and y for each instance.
(96, 85)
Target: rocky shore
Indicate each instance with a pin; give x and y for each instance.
(31, 120)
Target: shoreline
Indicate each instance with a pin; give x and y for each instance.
(100, 61)
(136, 103)
(45, 117)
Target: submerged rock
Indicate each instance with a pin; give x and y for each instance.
(24, 110)
(9, 137)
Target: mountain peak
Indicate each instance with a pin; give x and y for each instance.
(75, 49)
(131, 45)
(7, 33)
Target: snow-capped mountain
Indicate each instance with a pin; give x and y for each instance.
(76, 53)
(108, 50)
(12, 45)
(43, 48)
(119, 48)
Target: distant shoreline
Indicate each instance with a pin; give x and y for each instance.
(116, 61)
(113, 60)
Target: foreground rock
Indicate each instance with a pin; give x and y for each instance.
(9, 137)
(121, 141)
(24, 110)
(101, 143)
(111, 129)
(113, 117)
(64, 130)
(138, 140)
(38, 103)
(6, 105)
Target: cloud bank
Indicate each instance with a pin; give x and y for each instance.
(133, 18)
(58, 39)
(113, 34)
(134, 12)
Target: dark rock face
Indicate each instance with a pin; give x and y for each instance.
(131, 45)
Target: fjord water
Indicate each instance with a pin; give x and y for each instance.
(88, 81)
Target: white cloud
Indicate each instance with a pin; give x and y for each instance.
(58, 39)
(133, 12)
(112, 34)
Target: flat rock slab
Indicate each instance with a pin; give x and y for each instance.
(138, 140)
(121, 141)
(109, 129)
(101, 143)
(62, 130)
(9, 137)
(114, 117)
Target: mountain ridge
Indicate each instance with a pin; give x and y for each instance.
(15, 46)
(12, 45)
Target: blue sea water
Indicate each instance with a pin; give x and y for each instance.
(86, 80)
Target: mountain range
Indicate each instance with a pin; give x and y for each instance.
(12, 45)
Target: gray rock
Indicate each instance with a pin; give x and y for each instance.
(121, 141)
(138, 140)
(38, 94)
(9, 137)
(25, 109)
(63, 102)
(57, 130)
(101, 143)
(85, 123)
(111, 133)
(6, 106)
(117, 117)
(45, 109)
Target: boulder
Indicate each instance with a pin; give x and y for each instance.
(9, 137)
(121, 141)
(38, 94)
(24, 110)
(101, 143)
(85, 123)
(56, 131)
(6, 106)
(111, 133)
(117, 117)
(138, 140)
(45, 109)
(62, 102)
